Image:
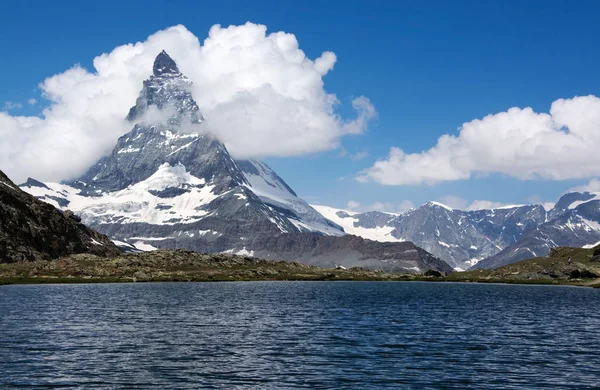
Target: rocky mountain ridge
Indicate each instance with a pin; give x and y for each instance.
(573, 222)
(482, 238)
(34, 230)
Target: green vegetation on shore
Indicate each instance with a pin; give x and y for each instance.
(584, 270)
(180, 265)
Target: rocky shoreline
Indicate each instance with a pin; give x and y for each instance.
(582, 270)
(188, 266)
(176, 266)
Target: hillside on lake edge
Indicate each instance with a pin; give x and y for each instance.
(183, 265)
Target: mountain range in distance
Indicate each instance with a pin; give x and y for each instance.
(168, 184)
(486, 238)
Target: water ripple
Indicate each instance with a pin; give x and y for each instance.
(299, 335)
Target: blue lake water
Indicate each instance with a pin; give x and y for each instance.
(299, 334)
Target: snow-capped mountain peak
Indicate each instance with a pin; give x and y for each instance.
(168, 186)
(461, 238)
(484, 238)
(166, 96)
(164, 65)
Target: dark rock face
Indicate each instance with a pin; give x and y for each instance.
(465, 237)
(163, 64)
(317, 249)
(34, 230)
(566, 200)
(167, 89)
(568, 224)
(352, 251)
(139, 153)
(461, 238)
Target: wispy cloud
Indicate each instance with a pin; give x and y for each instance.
(360, 156)
(8, 106)
(386, 207)
(592, 186)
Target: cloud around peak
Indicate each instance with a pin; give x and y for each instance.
(521, 143)
(258, 91)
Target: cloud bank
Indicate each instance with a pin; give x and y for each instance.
(385, 207)
(258, 92)
(8, 106)
(562, 144)
(592, 186)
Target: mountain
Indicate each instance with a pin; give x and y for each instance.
(482, 238)
(169, 184)
(461, 238)
(34, 230)
(554, 268)
(351, 251)
(574, 221)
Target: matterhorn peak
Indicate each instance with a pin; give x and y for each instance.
(167, 88)
(164, 64)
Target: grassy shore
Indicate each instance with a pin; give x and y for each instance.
(179, 266)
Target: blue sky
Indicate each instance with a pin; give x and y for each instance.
(427, 67)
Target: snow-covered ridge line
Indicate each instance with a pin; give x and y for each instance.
(136, 203)
(272, 190)
(380, 233)
(142, 202)
(440, 205)
(596, 196)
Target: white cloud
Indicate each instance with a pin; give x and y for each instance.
(454, 202)
(353, 205)
(536, 199)
(32, 101)
(385, 207)
(258, 92)
(360, 156)
(521, 143)
(404, 206)
(592, 186)
(485, 205)
(388, 207)
(11, 106)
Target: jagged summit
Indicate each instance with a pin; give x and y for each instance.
(169, 91)
(164, 64)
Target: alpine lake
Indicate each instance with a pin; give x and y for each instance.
(283, 334)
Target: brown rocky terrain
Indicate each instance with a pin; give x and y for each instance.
(34, 230)
(177, 265)
(584, 269)
(184, 265)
